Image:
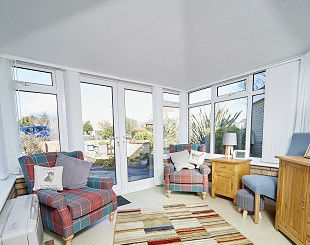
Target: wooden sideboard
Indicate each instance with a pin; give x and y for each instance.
(293, 199)
(227, 176)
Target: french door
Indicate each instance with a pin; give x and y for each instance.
(118, 132)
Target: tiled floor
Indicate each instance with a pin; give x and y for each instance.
(263, 233)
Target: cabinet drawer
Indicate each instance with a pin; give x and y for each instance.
(224, 167)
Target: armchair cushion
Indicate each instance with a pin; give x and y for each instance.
(186, 176)
(75, 171)
(86, 200)
(99, 182)
(52, 198)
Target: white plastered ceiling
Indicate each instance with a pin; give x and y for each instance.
(177, 43)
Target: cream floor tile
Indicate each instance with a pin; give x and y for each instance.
(102, 232)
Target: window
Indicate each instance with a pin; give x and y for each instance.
(171, 97)
(199, 125)
(200, 96)
(33, 76)
(38, 122)
(257, 125)
(231, 88)
(170, 126)
(98, 129)
(259, 80)
(230, 117)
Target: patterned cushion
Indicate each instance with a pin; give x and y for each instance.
(186, 176)
(42, 159)
(189, 147)
(83, 201)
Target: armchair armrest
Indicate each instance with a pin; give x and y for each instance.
(98, 182)
(169, 169)
(204, 169)
(52, 198)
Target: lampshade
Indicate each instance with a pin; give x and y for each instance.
(230, 139)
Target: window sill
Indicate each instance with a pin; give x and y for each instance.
(5, 189)
(256, 161)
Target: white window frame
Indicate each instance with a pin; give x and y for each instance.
(57, 88)
(248, 93)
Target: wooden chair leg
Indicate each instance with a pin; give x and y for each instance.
(168, 193)
(68, 240)
(256, 208)
(245, 213)
(203, 195)
(239, 210)
(112, 216)
(260, 216)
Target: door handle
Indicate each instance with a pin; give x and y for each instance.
(125, 138)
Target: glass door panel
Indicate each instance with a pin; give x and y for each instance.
(139, 135)
(98, 129)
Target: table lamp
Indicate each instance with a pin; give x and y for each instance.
(230, 139)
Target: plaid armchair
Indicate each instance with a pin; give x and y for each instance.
(195, 180)
(69, 211)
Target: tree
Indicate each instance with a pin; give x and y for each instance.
(42, 119)
(30, 144)
(200, 127)
(224, 122)
(106, 130)
(132, 127)
(170, 129)
(27, 121)
(87, 127)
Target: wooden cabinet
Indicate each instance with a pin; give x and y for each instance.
(227, 175)
(293, 199)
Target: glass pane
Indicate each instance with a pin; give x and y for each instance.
(200, 95)
(38, 122)
(139, 130)
(230, 117)
(257, 125)
(32, 76)
(259, 80)
(171, 127)
(98, 129)
(171, 97)
(199, 125)
(231, 88)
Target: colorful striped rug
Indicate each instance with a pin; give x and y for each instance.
(193, 224)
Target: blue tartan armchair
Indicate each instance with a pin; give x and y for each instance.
(70, 211)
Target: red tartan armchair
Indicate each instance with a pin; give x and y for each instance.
(195, 180)
(69, 211)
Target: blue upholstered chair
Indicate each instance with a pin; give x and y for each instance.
(267, 185)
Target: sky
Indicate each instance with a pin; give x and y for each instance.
(97, 104)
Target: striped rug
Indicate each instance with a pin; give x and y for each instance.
(193, 224)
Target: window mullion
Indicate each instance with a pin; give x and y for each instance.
(212, 119)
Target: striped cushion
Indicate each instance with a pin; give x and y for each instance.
(86, 200)
(186, 176)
